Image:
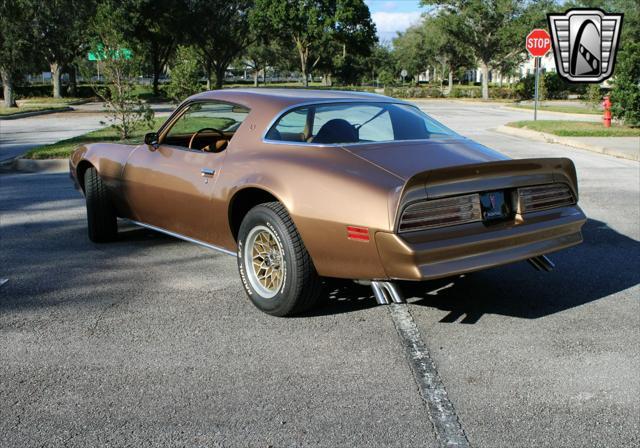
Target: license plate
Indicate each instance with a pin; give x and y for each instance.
(494, 205)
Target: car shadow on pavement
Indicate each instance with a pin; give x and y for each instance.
(606, 262)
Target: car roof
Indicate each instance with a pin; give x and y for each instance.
(278, 98)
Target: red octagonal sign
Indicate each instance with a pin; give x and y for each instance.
(538, 42)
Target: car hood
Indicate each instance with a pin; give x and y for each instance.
(405, 159)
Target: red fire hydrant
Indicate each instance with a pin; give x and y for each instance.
(606, 119)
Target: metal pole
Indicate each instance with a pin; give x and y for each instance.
(535, 101)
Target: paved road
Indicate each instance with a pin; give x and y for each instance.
(150, 341)
(18, 136)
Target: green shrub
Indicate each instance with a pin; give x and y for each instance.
(554, 87)
(45, 90)
(625, 96)
(414, 92)
(593, 97)
(387, 78)
(476, 92)
(465, 92)
(542, 88)
(185, 74)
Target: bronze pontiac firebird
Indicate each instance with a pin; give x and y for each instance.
(303, 184)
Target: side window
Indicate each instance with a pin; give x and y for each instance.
(290, 128)
(214, 119)
(335, 123)
(379, 129)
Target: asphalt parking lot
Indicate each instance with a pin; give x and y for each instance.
(150, 341)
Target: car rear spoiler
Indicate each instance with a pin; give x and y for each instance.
(488, 176)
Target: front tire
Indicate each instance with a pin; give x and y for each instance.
(101, 216)
(275, 267)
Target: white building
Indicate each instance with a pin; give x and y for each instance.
(547, 64)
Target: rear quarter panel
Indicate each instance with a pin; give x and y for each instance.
(325, 189)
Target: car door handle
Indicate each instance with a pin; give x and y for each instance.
(207, 172)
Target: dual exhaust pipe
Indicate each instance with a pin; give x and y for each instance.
(542, 263)
(387, 292)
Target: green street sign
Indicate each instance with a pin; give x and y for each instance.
(100, 54)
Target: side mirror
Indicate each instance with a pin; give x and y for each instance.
(151, 139)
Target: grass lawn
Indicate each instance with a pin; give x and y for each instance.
(566, 128)
(64, 148)
(568, 109)
(37, 104)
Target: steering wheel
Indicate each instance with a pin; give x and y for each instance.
(200, 131)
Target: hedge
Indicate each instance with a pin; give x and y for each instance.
(40, 90)
(414, 92)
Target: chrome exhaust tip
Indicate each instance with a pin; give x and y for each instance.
(386, 293)
(542, 263)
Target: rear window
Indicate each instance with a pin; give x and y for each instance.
(345, 123)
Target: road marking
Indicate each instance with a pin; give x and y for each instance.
(3, 281)
(441, 413)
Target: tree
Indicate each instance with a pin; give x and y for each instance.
(381, 61)
(61, 27)
(625, 95)
(410, 52)
(159, 27)
(493, 30)
(126, 111)
(17, 44)
(355, 35)
(219, 29)
(313, 26)
(257, 56)
(185, 74)
(301, 22)
(449, 53)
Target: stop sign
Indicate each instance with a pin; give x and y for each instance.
(538, 42)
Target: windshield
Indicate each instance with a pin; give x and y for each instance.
(348, 123)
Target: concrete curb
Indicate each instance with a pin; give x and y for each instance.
(35, 113)
(550, 138)
(596, 117)
(34, 166)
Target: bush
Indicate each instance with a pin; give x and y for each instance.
(476, 92)
(625, 96)
(465, 92)
(593, 97)
(387, 78)
(45, 90)
(185, 75)
(554, 87)
(414, 92)
(542, 88)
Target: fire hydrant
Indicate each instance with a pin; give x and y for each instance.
(606, 119)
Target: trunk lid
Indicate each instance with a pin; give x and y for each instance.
(408, 158)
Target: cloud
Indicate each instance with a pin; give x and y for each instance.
(389, 23)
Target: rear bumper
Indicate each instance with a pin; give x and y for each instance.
(470, 247)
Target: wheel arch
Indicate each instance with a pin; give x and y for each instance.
(244, 200)
(81, 170)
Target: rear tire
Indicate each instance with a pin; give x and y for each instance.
(275, 267)
(101, 216)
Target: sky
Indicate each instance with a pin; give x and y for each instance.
(391, 16)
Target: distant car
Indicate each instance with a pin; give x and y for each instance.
(303, 184)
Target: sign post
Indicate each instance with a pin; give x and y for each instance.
(538, 43)
(536, 67)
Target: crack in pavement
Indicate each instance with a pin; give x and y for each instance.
(442, 414)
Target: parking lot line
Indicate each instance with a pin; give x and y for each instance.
(442, 414)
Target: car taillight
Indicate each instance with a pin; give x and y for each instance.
(542, 197)
(440, 213)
